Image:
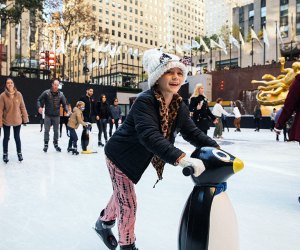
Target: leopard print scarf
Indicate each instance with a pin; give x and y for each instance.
(167, 116)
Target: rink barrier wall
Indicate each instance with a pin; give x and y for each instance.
(32, 88)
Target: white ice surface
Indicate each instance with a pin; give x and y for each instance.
(51, 200)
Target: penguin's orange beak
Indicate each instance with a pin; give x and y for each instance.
(238, 165)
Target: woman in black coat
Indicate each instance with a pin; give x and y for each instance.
(199, 109)
(102, 116)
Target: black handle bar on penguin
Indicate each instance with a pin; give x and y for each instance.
(187, 171)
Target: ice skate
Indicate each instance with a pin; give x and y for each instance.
(74, 151)
(129, 247)
(5, 158)
(57, 148)
(45, 149)
(20, 157)
(103, 229)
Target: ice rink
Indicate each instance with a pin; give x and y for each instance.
(51, 200)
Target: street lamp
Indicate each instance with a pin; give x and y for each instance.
(252, 52)
(240, 47)
(29, 44)
(264, 24)
(276, 50)
(291, 50)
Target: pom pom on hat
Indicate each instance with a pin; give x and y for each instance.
(156, 63)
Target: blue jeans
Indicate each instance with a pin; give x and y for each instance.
(73, 138)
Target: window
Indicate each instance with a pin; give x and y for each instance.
(298, 17)
(284, 20)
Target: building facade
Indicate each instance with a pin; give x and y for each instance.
(281, 20)
(131, 27)
(219, 13)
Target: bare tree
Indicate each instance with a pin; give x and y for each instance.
(76, 15)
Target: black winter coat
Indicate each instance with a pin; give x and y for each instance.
(202, 116)
(103, 110)
(89, 110)
(132, 146)
(51, 101)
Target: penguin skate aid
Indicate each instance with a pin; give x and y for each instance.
(208, 220)
(147, 136)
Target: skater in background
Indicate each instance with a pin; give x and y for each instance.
(272, 117)
(64, 118)
(284, 128)
(51, 99)
(90, 104)
(12, 114)
(76, 118)
(199, 109)
(102, 115)
(89, 114)
(147, 135)
(224, 121)
(217, 112)
(116, 115)
(257, 117)
(237, 117)
(291, 106)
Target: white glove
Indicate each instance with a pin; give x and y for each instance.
(277, 131)
(193, 162)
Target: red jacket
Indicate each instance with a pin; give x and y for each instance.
(291, 104)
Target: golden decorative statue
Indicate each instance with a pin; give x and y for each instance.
(276, 88)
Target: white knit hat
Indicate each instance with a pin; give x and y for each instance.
(156, 63)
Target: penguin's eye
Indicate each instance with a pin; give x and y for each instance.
(221, 155)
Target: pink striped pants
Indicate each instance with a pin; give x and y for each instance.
(122, 204)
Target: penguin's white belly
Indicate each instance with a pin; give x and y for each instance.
(223, 231)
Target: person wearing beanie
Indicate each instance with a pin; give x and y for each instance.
(147, 135)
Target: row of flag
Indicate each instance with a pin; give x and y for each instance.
(116, 49)
(221, 44)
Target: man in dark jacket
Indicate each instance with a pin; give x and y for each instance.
(51, 99)
(88, 115)
(89, 110)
